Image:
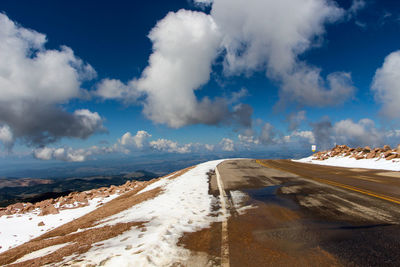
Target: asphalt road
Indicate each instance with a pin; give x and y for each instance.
(292, 214)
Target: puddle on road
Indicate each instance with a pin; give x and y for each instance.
(269, 194)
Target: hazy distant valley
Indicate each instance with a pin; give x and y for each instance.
(13, 190)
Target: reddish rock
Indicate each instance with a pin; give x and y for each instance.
(6, 212)
(50, 209)
(393, 156)
(398, 149)
(81, 197)
(18, 206)
(371, 155)
(112, 190)
(41, 224)
(335, 153)
(359, 157)
(44, 203)
(28, 207)
(386, 148)
(387, 154)
(367, 149)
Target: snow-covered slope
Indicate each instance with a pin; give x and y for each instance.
(343, 156)
(17, 229)
(341, 161)
(184, 206)
(141, 227)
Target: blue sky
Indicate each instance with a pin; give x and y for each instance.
(181, 77)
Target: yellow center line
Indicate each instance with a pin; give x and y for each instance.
(349, 187)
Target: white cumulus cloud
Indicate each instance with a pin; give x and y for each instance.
(386, 85)
(35, 81)
(270, 35)
(115, 89)
(248, 140)
(363, 132)
(139, 140)
(166, 145)
(248, 36)
(185, 46)
(227, 144)
(300, 136)
(63, 154)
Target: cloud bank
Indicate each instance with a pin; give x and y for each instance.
(35, 82)
(128, 143)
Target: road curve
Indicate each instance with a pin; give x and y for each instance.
(378, 183)
(291, 214)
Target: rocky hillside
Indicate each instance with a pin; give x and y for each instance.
(71, 201)
(359, 153)
(138, 222)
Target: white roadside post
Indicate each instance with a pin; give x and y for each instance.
(313, 148)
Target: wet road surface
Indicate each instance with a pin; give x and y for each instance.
(288, 214)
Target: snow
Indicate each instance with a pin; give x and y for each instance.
(41, 252)
(341, 161)
(184, 206)
(239, 200)
(19, 228)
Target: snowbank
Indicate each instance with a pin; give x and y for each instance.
(184, 206)
(19, 228)
(341, 161)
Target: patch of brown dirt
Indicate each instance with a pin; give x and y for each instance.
(179, 173)
(206, 240)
